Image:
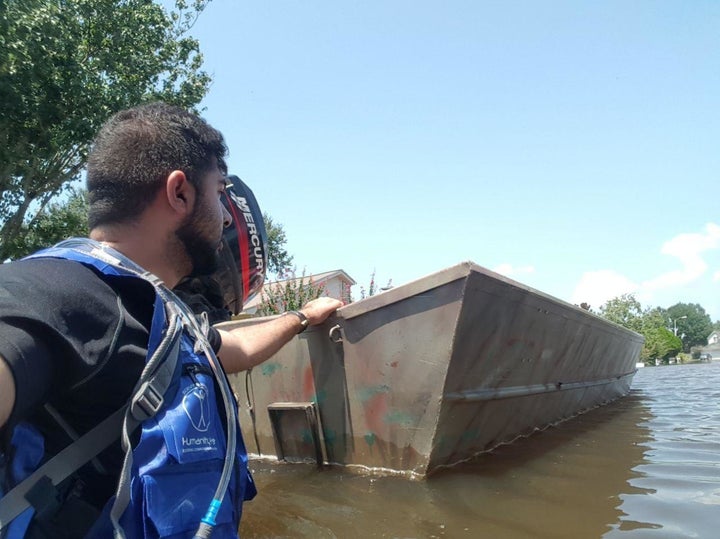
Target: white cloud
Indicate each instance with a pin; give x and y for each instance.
(508, 270)
(597, 287)
(686, 248)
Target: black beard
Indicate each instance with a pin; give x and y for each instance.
(204, 256)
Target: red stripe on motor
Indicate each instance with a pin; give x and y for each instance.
(243, 246)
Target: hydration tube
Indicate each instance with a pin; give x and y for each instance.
(207, 524)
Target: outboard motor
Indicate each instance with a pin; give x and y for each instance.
(243, 259)
(244, 250)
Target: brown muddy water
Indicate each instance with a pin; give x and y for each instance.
(646, 466)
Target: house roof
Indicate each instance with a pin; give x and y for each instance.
(317, 278)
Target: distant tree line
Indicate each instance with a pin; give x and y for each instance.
(684, 327)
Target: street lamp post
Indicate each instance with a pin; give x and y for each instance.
(673, 321)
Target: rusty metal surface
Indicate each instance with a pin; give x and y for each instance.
(431, 373)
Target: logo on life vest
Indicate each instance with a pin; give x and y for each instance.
(197, 407)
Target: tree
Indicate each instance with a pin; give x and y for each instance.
(659, 341)
(56, 222)
(624, 310)
(65, 67)
(279, 261)
(656, 325)
(694, 325)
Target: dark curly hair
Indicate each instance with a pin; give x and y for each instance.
(137, 149)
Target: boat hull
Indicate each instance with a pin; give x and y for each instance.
(431, 373)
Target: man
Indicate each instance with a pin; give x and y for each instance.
(75, 336)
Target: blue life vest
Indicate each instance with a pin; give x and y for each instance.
(175, 468)
(27, 448)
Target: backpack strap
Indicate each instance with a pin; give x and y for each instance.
(61, 465)
(146, 399)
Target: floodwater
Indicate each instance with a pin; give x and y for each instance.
(646, 466)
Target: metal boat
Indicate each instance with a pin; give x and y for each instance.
(432, 373)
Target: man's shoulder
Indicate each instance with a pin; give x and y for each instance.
(54, 269)
(53, 291)
(48, 287)
(49, 282)
(52, 272)
(38, 263)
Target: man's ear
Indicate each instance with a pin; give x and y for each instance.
(180, 193)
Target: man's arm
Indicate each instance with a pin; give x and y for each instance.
(7, 391)
(245, 347)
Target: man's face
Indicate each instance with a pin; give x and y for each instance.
(201, 233)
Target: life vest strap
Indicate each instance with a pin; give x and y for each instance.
(62, 465)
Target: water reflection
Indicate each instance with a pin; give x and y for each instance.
(681, 474)
(570, 481)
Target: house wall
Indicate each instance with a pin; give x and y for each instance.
(334, 288)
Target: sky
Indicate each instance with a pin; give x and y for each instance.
(571, 146)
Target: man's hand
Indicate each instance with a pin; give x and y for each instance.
(319, 309)
(245, 347)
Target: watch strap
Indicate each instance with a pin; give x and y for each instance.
(304, 322)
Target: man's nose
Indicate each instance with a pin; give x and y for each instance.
(227, 218)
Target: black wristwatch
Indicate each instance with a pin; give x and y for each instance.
(304, 322)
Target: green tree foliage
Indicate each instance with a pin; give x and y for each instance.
(656, 325)
(659, 341)
(288, 295)
(279, 260)
(693, 330)
(624, 310)
(65, 67)
(57, 221)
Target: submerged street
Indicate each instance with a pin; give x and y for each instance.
(644, 466)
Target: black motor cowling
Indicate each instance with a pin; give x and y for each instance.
(244, 256)
(243, 259)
